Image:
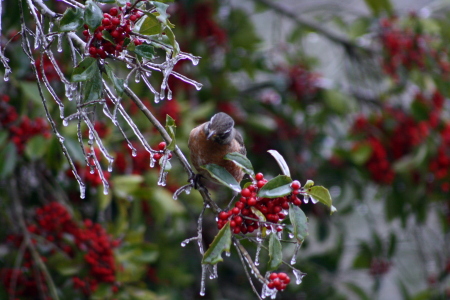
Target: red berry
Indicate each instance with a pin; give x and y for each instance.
(115, 21)
(106, 22)
(113, 11)
(86, 32)
(236, 230)
(239, 205)
(297, 202)
(101, 53)
(232, 224)
(86, 26)
(223, 215)
(162, 146)
(282, 276)
(157, 156)
(272, 276)
(99, 35)
(295, 185)
(238, 220)
(92, 51)
(251, 202)
(259, 176)
(133, 18)
(246, 193)
(260, 184)
(115, 34)
(235, 210)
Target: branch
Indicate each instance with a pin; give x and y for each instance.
(313, 25)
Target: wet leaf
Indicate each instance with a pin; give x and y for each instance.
(321, 194)
(145, 51)
(150, 25)
(281, 162)
(309, 183)
(93, 87)
(171, 128)
(221, 242)
(117, 82)
(276, 187)
(223, 176)
(71, 20)
(36, 147)
(242, 161)
(8, 160)
(126, 185)
(85, 70)
(299, 223)
(93, 15)
(275, 252)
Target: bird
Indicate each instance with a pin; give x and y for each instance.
(210, 142)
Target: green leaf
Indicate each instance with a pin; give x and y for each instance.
(392, 245)
(71, 20)
(275, 252)
(161, 9)
(379, 6)
(93, 87)
(171, 36)
(85, 70)
(321, 194)
(309, 183)
(223, 176)
(126, 185)
(106, 1)
(107, 36)
(299, 223)
(65, 265)
(276, 187)
(150, 25)
(361, 154)
(93, 15)
(364, 257)
(3, 137)
(117, 82)
(36, 147)
(242, 161)
(171, 128)
(281, 162)
(145, 51)
(8, 159)
(221, 242)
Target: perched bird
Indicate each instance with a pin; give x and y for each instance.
(211, 141)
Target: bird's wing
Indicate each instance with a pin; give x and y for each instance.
(240, 140)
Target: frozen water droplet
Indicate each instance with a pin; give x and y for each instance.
(82, 190)
(61, 111)
(227, 254)
(313, 200)
(293, 260)
(291, 235)
(169, 95)
(202, 282)
(65, 122)
(7, 72)
(198, 86)
(59, 47)
(133, 152)
(105, 190)
(298, 276)
(157, 98)
(137, 77)
(148, 73)
(152, 162)
(305, 199)
(129, 66)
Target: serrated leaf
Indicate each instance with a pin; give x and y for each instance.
(221, 242)
(281, 162)
(85, 70)
(320, 194)
(299, 223)
(71, 20)
(8, 160)
(275, 252)
(117, 82)
(223, 176)
(93, 15)
(242, 161)
(145, 51)
(150, 25)
(171, 128)
(276, 187)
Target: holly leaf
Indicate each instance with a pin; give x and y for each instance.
(117, 82)
(299, 223)
(71, 20)
(171, 36)
(93, 15)
(281, 162)
(223, 176)
(145, 51)
(107, 36)
(275, 252)
(8, 159)
(85, 70)
(93, 87)
(36, 147)
(161, 9)
(150, 25)
(319, 194)
(171, 128)
(242, 161)
(221, 242)
(276, 187)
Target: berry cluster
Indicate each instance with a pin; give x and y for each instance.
(394, 134)
(20, 129)
(243, 216)
(278, 281)
(440, 165)
(22, 282)
(379, 266)
(110, 36)
(55, 225)
(302, 82)
(409, 48)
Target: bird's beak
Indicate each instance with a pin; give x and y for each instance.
(211, 134)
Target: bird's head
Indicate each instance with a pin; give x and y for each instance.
(220, 128)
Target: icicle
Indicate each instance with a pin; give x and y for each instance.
(196, 84)
(105, 188)
(7, 72)
(110, 165)
(133, 151)
(313, 200)
(162, 94)
(294, 256)
(137, 77)
(37, 41)
(258, 250)
(148, 73)
(60, 38)
(65, 122)
(157, 98)
(266, 292)
(61, 111)
(92, 169)
(186, 188)
(82, 189)
(213, 274)
(202, 283)
(298, 276)
(169, 94)
(194, 59)
(163, 178)
(69, 91)
(305, 199)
